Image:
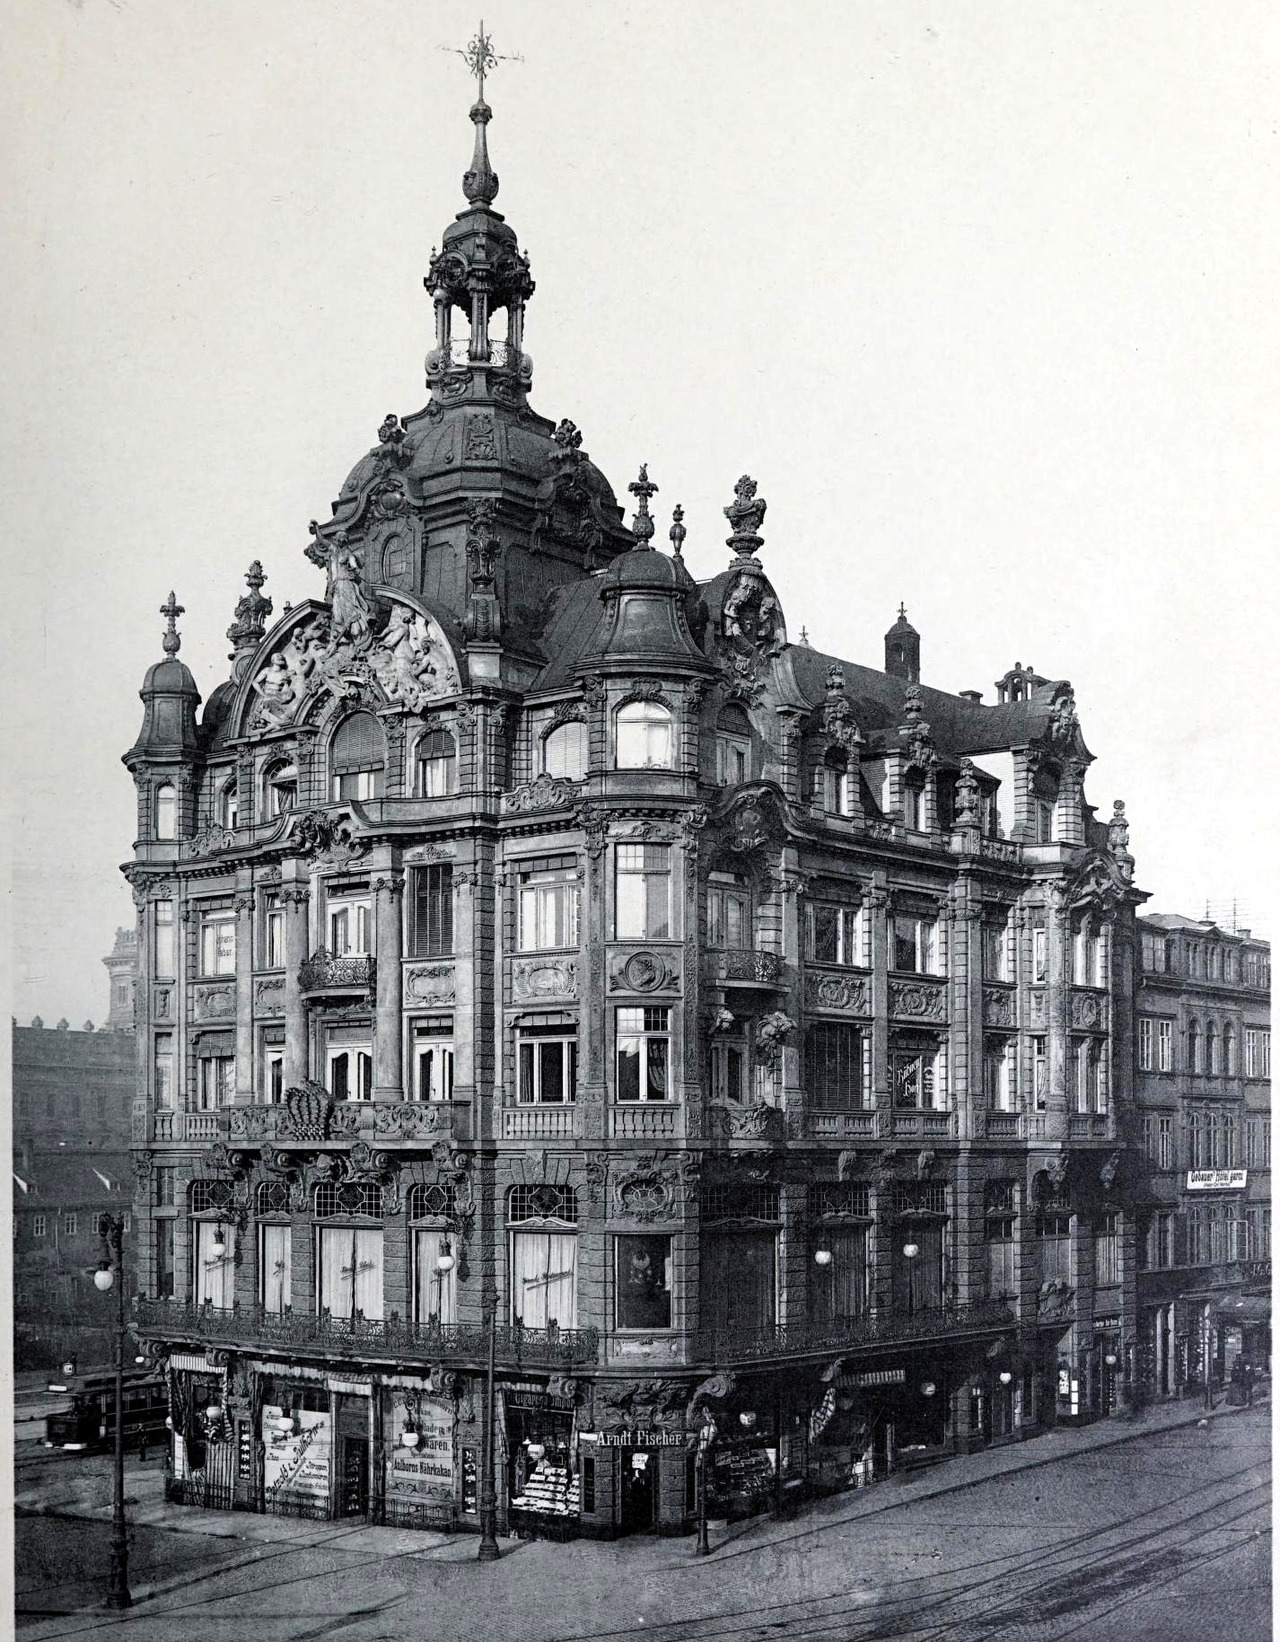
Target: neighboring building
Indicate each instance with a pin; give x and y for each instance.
(1203, 1116)
(72, 1102)
(527, 925)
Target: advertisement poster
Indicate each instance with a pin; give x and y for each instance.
(425, 1472)
(296, 1462)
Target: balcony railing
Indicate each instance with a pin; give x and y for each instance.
(540, 1123)
(723, 1346)
(322, 972)
(837, 1125)
(647, 1120)
(745, 964)
(391, 1338)
(1088, 1126)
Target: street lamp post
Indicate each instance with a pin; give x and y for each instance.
(109, 1273)
(488, 1551)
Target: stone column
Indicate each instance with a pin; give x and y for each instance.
(244, 986)
(388, 1049)
(296, 899)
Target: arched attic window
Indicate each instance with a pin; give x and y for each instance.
(357, 758)
(229, 805)
(645, 737)
(733, 746)
(435, 764)
(280, 789)
(165, 811)
(564, 750)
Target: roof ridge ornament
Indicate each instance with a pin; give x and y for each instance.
(642, 526)
(172, 640)
(678, 531)
(247, 629)
(746, 514)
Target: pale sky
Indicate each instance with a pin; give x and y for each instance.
(981, 293)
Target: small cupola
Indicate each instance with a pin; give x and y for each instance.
(902, 649)
(169, 698)
(647, 593)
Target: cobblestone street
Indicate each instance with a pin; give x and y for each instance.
(1165, 1534)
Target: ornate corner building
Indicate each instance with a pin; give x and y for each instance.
(530, 932)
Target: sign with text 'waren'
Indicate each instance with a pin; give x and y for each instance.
(1217, 1180)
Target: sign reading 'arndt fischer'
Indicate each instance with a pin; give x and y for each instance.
(643, 1436)
(1217, 1180)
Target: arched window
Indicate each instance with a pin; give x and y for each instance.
(435, 764)
(564, 751)
(357, 756)
(435, 1290)
(1211, 1039)
(1193, 1047)
(228, 806)
(733, 746)
(1229, 1052)
(280, 790)
(645, 738)
(349, 1257)
(166, 811)
(544, 1255)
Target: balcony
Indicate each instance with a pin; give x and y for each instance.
(840, 1125)
(744, 966)
(345, 1120)
(541, 1123)
(322, 974)
(1088, 1126)
(723, 1347)
(365, 1339)
(647, 1120)
(925, 1125)
(185, 1125)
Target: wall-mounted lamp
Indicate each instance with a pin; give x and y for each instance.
(911, 1250)
(445, 1261)
(1005, 1377)
(928, 1389)
(409, 1438)
(746, 1419)
(822, 1257)
(219, 1245)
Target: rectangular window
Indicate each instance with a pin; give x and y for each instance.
(164, 1071)
(165, 968)
(350, 1276)
(1165, 1045)
(431, 912)
(1146, 1045)
(998, 1067)
(217, 943)
(1040, 1072)
(842, 1286)
(995, 951)
(350, 1071)
(547, 1065)
(1106, 1247)
(1039, 956)
(1041, 821)
(728, 1068)
(917, 1083)
(435, 1292)
(1165, 1159)
(217, 1081)
(276, 1276)
(1265, 1160)
(273, 933)
(836, 933)
(1001, 1248)
(1266, 1054)
(739, 1280)
(163, 1177)
(164, 1258)
(214, 1273)
(433, 1060)
(1250, 1054)
(69, 1225)
(549, 904)
(1251, 1137)
(1053, 1242)
(348, 921)
(835, 1056)
(644, 1042)
(642, 1277)
(544, 1278)
(728, 916)
(643, 884)
(732, 760)
(37, 1225)
(1149, 1136)
(913, 944)
(273, 1074)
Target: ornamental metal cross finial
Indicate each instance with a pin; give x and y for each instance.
(902, 612)
(480, 57)
(642, 488)
(171, 611)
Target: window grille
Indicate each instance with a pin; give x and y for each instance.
(351, 1197)
(920, 1197)
(739, 1200)
(542, 1203)
(849, 1198)
(428, 1201)
(273, 1197)
(208, 1195)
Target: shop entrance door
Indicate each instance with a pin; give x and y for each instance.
(639, 1490)
(354, 1487)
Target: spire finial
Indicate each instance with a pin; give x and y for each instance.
(642, 526)
(678, 532)
(746, 514)
(172, 641)
(902, 612)
(480, 183)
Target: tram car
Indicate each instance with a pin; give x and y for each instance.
(90, 1422)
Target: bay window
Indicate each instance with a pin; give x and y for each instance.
(643, 1052)
(217, 943)
(836, 933)
(645, 737)
(166, 812)
(642, 1282)
(564, 751)
(643, 892)
(548, 888)
(1039, 955)
(998, 1066)
(163, 1068)
(164, 951)
(913, 944)
(547, 1065)
(348, 923)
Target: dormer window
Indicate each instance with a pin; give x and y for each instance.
(357, 758)
(435, 765)
(564, 751)
(838, 780)
(228, 806)
(913, 806)
(1041, 821)
(166, 812)
(733, 747)
(645, 737)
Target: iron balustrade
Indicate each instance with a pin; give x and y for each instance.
(322, 971)
(746, 964)
(804, 1338)
(393, 1336)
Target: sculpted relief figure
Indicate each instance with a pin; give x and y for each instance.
(410, 666)
(351, 608)
(284, 681)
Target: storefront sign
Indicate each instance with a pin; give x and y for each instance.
(536, 1397)
(425, 1471)
(297, 1461)
(1217, 1180)
(641, 1436)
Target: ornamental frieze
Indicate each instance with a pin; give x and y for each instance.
(845, 992)
(544, 978)
(546, 793)
(651, 1186)
(746, 1122)
(429, 983)
(268, 995)
(997, 1006)
(917, 1000)
(1039, 1008)
(643, 972)
(1088, 1011)
(215, 1002)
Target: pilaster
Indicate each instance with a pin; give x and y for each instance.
(388, 1054)
(244, 906)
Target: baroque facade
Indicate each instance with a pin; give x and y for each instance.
(543, 951)
(1203, 1116)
